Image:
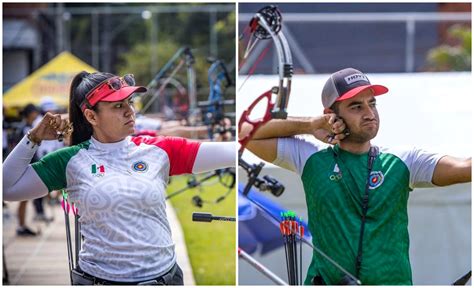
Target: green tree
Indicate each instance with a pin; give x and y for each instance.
(452, 57)
(137, 60)
(187, 29)
(225, 29)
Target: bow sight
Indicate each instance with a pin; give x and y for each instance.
(266, 184)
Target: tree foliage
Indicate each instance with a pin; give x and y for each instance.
(175, 31)
(455, 57)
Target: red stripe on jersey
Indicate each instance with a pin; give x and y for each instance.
(181, 152)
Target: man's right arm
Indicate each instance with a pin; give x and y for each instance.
(264, 142)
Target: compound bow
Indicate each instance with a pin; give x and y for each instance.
(213, 113)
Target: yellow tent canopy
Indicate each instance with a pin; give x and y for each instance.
(51, 80)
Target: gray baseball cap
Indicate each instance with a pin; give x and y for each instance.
(345, 84)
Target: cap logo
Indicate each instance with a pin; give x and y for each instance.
(355, 77)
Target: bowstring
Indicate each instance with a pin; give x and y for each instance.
(254, 66)
(248, 32)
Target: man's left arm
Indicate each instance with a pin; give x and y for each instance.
(450, 170)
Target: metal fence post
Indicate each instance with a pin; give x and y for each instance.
(212, 32)
(95, 39)
(410, 45)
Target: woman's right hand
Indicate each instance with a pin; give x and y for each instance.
(51, 127)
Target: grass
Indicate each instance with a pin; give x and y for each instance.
(211, 246)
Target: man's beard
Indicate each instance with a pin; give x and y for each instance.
(361, 136)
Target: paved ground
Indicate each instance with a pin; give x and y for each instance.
(42, 260)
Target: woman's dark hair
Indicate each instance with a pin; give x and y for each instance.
(81, 84)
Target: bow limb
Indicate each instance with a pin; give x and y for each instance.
(285, 66)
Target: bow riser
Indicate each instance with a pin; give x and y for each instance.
(285, 69)
(255, 124)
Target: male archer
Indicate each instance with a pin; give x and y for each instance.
(356, 193)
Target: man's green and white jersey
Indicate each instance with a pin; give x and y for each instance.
(120, 190)
(334, 181)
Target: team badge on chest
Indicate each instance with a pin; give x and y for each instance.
(375, 179)
(140, 166)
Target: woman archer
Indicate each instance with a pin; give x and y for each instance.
(116, 181)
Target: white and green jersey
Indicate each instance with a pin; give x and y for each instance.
(334, 181)
(119, 189)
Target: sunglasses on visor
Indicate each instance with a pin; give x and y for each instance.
(106, 88)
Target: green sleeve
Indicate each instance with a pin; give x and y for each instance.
(52, 167)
